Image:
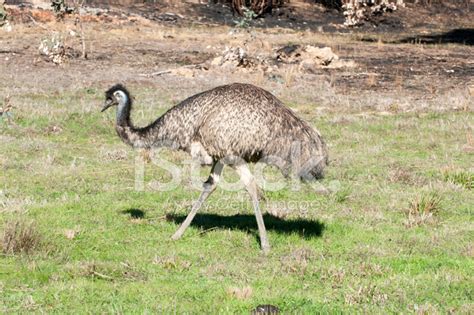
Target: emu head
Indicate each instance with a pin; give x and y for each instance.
(116, 95)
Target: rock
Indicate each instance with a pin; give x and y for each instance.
(310, 56)
(336, 64)
(234, 57)
(322, 56)
(289, 54)
(217, 61)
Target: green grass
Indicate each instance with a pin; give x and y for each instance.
(106, 247)
(462, 178)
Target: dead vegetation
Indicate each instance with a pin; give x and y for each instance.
(56, 48)
(367, 11)
(20, 236)
(114, 154)
(171, 262)
(240, 293)
(400, 175)
(469, 146)
(403, 175)
(297, 261)
(107, 271)
(423, 209)
(366, 294)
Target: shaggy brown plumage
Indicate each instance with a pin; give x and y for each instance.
(230, 124)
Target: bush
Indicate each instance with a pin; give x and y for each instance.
(357, 12)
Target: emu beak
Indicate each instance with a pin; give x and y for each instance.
(107, 104)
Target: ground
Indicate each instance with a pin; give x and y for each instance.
(388, 230)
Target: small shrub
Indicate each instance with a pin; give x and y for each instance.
(248, 16)
(57, 48)
(361, 11)
(422, 209)
(20, 236)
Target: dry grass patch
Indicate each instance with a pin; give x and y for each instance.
(108, 271)
(370, 269)
(172, 262)
(297, 261)
(423, 209)
(365, 294)
(399, 174)
(71, 233)
(335, 276)
(240, 293)
(12, 205)
(469, 146)
(115, 155)
(20, 236)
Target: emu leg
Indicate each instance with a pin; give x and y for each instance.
(208, 187)
(249, 181)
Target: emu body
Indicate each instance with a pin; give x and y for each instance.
(229, 125)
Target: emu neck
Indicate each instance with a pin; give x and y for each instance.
(125, 129)
(145, 137)
(123, 114)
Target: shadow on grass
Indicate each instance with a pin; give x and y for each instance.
(246, 222)
(134, 213)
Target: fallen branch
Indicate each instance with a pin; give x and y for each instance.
(100, 275)
(36, 23)
(155, 74)
(158, 73)
(205, 231)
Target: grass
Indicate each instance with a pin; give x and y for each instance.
(20, 237)
(345, 250)
(464, 179)
(423, 209)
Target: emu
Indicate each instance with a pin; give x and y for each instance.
(232, 125)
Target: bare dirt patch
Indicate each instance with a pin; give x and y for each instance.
(391, 74)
